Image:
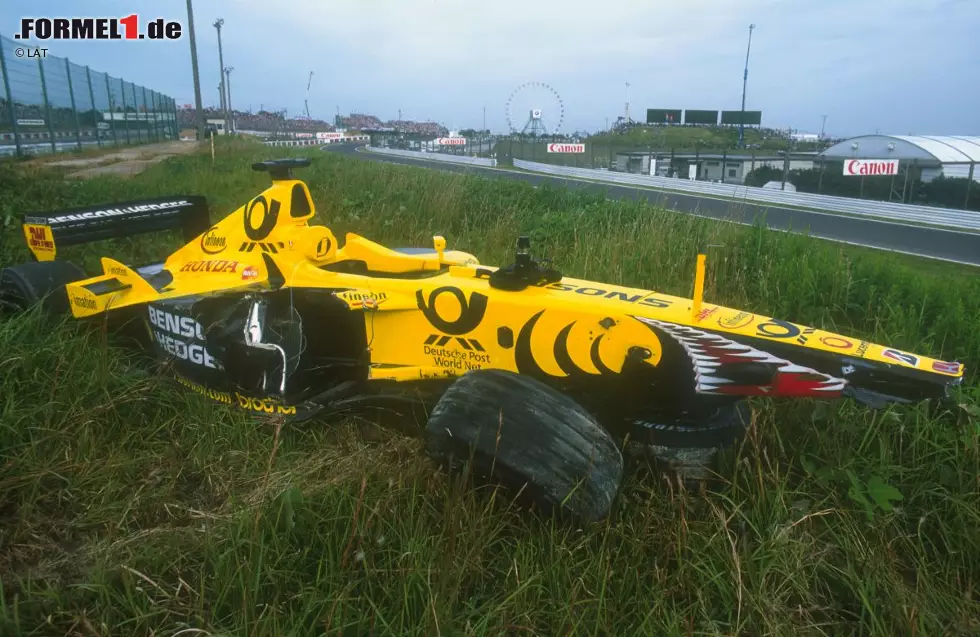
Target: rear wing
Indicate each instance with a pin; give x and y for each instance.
(44, 232)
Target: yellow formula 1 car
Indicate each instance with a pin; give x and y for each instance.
(533, 376)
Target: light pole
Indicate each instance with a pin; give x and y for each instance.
(230, 123)
(745, 81)
(221, 72)
(197, 77)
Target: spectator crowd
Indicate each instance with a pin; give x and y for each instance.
(276, 121)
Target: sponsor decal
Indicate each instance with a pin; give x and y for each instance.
(117, 212)
(266, 213)
(212, 242)
(358, 299)
(117, 271)
(250, 273)
(264, 405)
(736, 321)
(774, 328)
(470, 312)
(219, 396)
(456, 359)
(171, 325)
(323, 247)
(566, 148)
(210, 266)
(902, 357)
(804, 338)
(946, 368)
(83, 302)
(191, 352)
(705, 313)
(39, 238)
(836, 341)
(862, 348)
(614, 295)
(871, 167)
(264, 246)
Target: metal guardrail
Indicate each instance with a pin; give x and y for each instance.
(449, 159)
(946, 217)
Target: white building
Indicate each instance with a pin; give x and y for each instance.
(935, 155)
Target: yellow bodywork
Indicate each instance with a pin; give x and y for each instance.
(445, 319)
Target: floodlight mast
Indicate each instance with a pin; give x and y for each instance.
(745, 81)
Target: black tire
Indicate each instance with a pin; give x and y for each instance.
(524, 435)
(25, 285)
(713, 425)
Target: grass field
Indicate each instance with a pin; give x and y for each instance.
(131, 507)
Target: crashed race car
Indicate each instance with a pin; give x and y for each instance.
(520, 374)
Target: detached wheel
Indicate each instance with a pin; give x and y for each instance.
(688, 442)
(527, 436)
(707, 426)
(25, 285)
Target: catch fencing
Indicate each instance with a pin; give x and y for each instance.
(441, 157)
(946, 217)
(50, 104)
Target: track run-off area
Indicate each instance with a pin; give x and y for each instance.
(922, 241)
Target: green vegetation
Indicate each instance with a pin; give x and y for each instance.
(132, 507)
(702, 138)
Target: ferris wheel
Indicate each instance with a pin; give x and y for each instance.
(535, 108)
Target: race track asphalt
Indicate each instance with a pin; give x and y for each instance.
(935, 243)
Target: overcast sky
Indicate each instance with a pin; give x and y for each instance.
(898, 66)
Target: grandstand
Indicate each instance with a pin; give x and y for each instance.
(268, 123)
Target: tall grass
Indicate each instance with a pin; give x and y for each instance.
(130, 507)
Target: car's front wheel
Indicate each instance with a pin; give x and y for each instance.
(513, 430)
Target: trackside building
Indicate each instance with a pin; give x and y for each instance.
(934, 155)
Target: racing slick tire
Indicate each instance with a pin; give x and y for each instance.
(513, 430)
(707, 426)
(688, 443)
(25, 285)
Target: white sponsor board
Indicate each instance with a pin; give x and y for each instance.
(653, 166)
(304, 135)
(451, 141)
(862, 167)
(692, 171)
(30, 122)
(329, 135)
(566, 148)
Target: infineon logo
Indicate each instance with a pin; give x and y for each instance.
(871, 167)
(566, 148)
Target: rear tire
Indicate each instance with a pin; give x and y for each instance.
(25, 285)
(516, 431)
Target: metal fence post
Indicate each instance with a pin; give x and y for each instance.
(91, 97)
(74, 109)
(136, 110)
(10, 100)
(969, 184)
(149, 129)
(125, 119)
(47, 105)
(176, 128)
(112, 114)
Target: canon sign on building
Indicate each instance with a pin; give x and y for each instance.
(451, 141)
(867, 167)
(566, 148)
